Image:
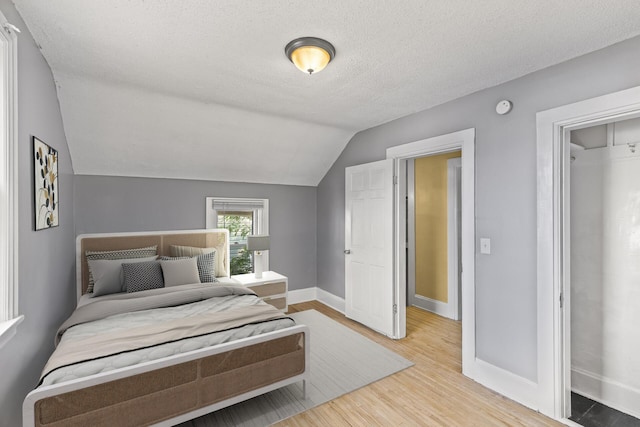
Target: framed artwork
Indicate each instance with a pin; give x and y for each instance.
(45, 189)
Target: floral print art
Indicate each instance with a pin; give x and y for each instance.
(46, 185)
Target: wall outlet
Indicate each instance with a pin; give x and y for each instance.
(485, 246)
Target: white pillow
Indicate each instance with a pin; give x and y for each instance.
(180, 272)
(107, 274)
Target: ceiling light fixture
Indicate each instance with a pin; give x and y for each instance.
(310, 54)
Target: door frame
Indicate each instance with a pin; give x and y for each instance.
(463, 140)
(553, 278)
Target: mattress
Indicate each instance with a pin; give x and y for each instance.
(151, 318)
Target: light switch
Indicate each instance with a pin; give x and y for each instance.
(485, 246)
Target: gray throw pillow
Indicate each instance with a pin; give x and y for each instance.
(206, 266)
(180, 272)
(142, 276)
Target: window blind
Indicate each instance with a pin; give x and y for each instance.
(237, 204)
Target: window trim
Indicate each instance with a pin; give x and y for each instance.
(9, 318)
(261, 215)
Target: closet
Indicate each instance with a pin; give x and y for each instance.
(605, 269)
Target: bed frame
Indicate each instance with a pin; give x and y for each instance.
(175, 389)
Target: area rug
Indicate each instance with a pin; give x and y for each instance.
(342, 360)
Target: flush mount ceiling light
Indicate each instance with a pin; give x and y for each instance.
(310, 54)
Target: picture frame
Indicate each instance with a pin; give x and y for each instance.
(45, 185)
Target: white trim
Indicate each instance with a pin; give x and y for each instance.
(8, 329)
(316, 294)
(9, 180)
(570, 423)
(410, 165)
(552, 334)
(452, 237)
(507, 383)
(297, 296)
(607, 391)
(261, 219)
(437, 144)
(463, 140)
(565, 269)
(400, 253)
(434, 306)
(331, 300)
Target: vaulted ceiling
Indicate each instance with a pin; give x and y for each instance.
(202, 89)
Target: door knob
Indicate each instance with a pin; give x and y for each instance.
(347, 251)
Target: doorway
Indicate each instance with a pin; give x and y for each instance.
(555, 282)
(433, 233)
(465, 142)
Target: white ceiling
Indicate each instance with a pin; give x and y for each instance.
(201, 89)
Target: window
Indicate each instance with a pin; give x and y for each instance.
(242, 217)
(8, 181)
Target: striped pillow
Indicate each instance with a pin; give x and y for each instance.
(118, 254)
(206, 266)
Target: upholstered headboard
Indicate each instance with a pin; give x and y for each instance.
(164, 239)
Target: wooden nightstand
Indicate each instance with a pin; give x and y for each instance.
(272, 287)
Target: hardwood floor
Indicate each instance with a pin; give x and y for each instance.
(433, 392)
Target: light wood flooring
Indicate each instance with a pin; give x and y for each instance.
(433, 392)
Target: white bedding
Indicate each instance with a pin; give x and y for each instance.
(152, 317)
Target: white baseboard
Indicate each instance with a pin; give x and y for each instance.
(314, 293)
(333, 301)
(438, 307)
(301, 295)
(606, 391)
(568, 422)
(506, 383)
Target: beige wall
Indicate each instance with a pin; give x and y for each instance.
(431, 225)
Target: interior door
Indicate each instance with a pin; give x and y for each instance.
(369, 245)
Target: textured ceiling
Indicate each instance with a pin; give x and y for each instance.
(202, 89)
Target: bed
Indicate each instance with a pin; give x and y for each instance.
(232, 346)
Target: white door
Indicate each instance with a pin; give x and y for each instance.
(369, 245)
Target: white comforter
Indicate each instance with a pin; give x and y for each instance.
(153, 317)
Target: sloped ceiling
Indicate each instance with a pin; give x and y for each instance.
(201, 89)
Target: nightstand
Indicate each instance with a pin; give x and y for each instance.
(272, 287)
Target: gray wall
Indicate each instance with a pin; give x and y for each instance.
(46, 289)
(505, 190)
(505, 207)
(115, 204)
